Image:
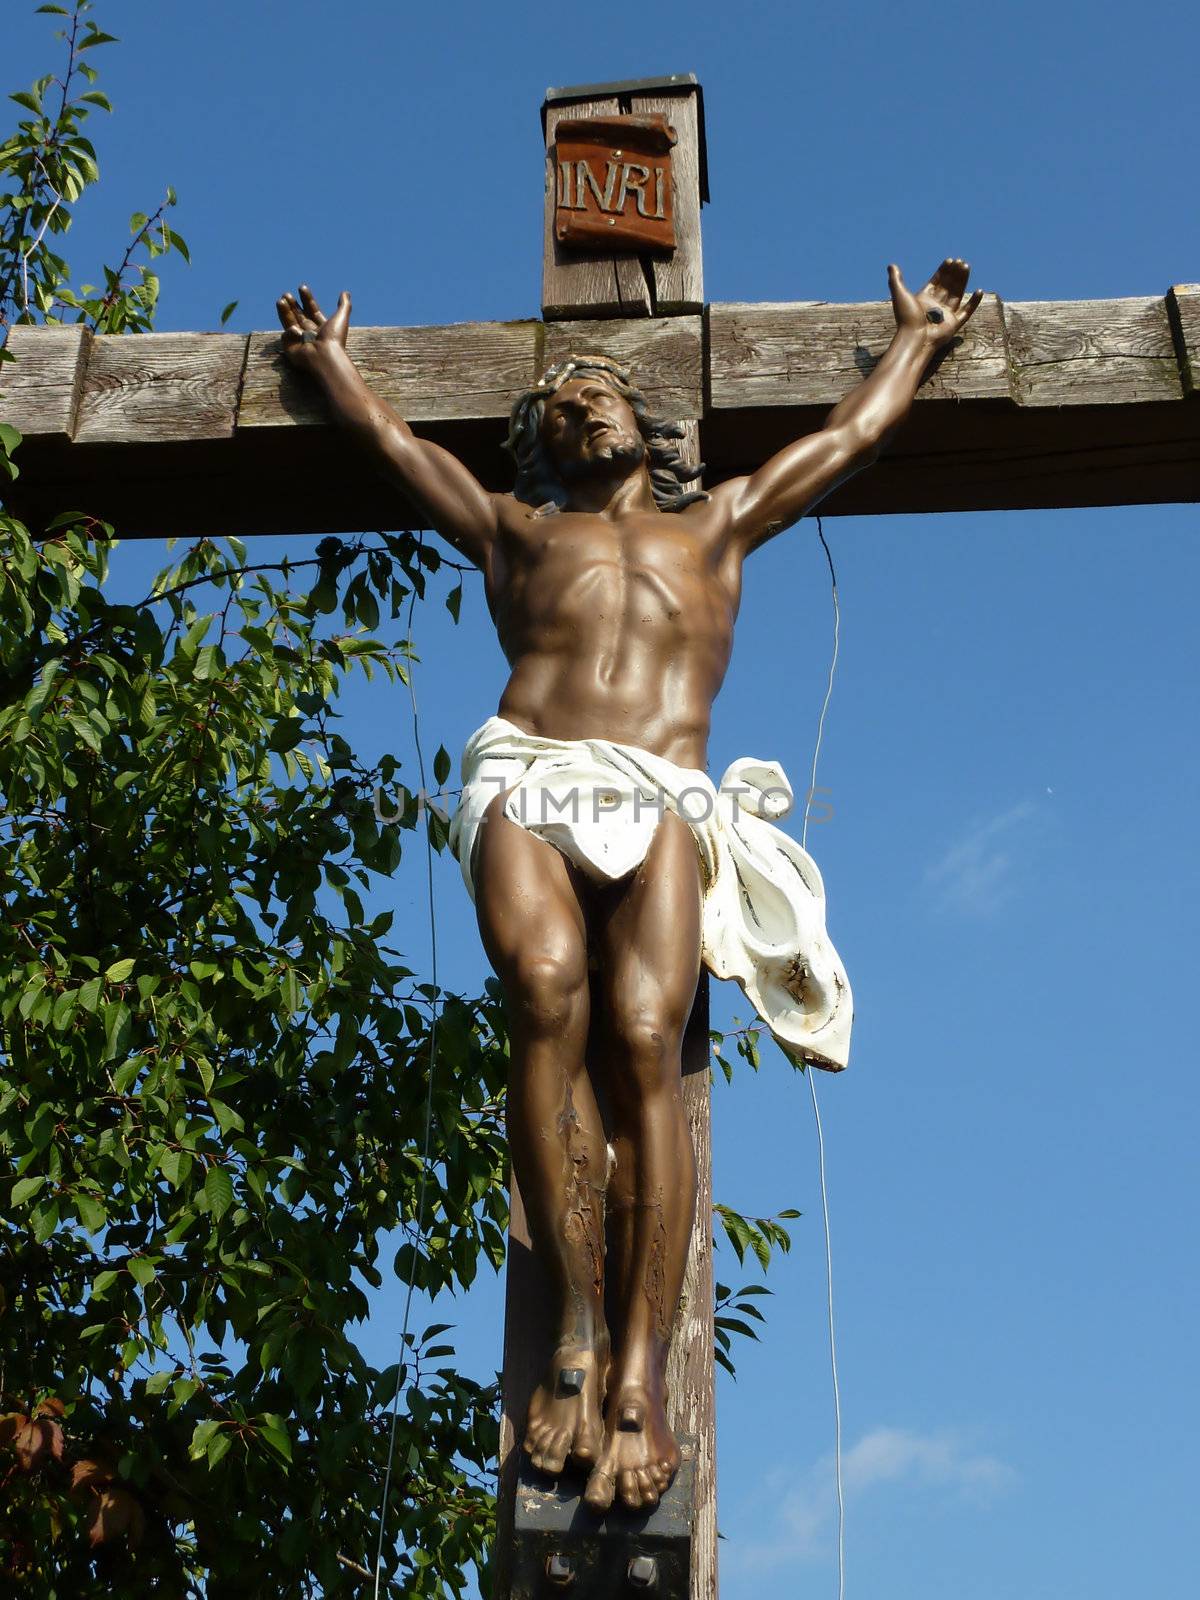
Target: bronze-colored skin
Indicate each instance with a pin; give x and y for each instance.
(617, 620)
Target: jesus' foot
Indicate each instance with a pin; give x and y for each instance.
(564, 1414)
(639, 1457)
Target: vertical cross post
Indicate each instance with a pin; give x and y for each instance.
(591, 297)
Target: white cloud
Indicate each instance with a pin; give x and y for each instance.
(975, 874)
(804, 1522)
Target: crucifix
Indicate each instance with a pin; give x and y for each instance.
(614, 579)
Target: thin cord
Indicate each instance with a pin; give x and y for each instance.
(433, 1027)
(833, 1366)
(833, 661)
(812, 1087)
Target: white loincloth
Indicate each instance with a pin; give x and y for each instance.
(763, 918)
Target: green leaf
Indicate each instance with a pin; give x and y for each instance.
(202, 1433)
(65, 1008)
(442, 764)
(218, 1191)
(228, 312)
(738, 1326)
(228, 1119)
(737, 1230)
(175, 1166)
(25, 1188)
(142, 1270)
(126, 1073)
(45, 1219)
(274, 1431)
(91, 1212)
(120, 970)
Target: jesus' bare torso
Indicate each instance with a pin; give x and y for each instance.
(617, 618)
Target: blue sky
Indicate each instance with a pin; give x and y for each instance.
(1011, 863)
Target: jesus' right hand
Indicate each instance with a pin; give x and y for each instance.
(310, 338)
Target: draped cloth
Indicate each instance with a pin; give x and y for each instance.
(763, 915)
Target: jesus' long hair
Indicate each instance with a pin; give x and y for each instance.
(538, 484)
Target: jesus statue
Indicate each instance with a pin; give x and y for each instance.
(604, 863)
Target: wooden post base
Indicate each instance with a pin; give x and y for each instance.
(560, 1547)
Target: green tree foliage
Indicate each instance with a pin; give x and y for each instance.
(214, 1065)
(215, 1089)
(46, 165)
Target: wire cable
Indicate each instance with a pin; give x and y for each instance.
(833, 661)
(833, 1366)
(811, 1075)
(428, 1139)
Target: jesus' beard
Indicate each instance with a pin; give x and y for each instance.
(626, 452)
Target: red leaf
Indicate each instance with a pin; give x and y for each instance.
(10, 1425)
(38, 1439)
(90, 1475)
(115, 1512)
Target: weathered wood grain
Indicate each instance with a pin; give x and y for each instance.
(1041, 353)
(691, 1369)
(1090, 405)
(575, 282)
(812, 352)
(161, 386)
(464, 371)
(41, 388)
(1092, 352)
(665, 353)
(1183, 312)
(679, 279)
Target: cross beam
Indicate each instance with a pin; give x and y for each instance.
(1046, 403)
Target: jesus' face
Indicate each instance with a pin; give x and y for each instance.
(588, 428)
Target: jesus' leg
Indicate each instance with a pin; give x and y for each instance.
(650, 964)
(533, 931)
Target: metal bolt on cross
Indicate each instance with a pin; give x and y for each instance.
(560, 1570)
(643, 1573)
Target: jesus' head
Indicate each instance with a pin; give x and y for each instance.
(585, 415)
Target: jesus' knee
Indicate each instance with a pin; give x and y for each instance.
(547, 991)
(649, 1040)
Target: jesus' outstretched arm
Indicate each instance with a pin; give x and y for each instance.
(790, 483)
(456, 504)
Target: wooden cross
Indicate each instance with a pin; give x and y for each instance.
(1043, 404)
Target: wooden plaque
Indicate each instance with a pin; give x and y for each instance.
(613, 183)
